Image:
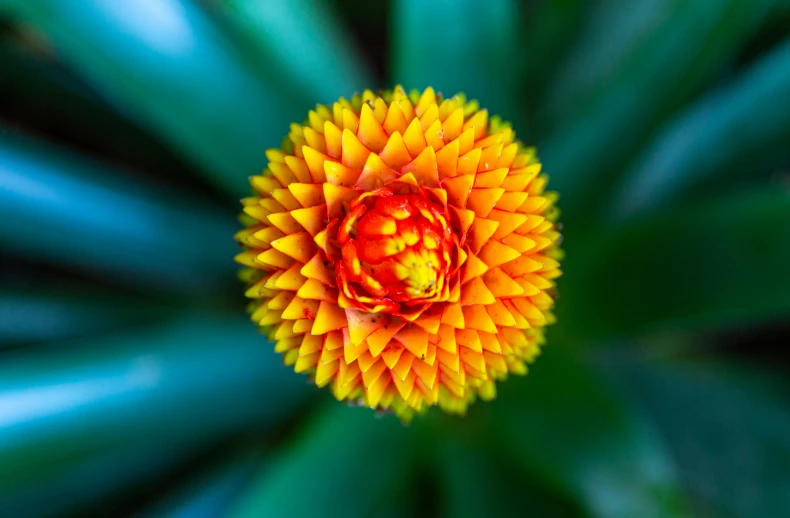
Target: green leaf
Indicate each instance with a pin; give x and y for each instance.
(550, 31)
(165, 64)
(346, 463)
(700, 265)
(42, 312)
(639, 64)
(729, 131)
(729, 429)
(98, 480)
(212, 492)
(566, 427)
(476, 482)
(57, 207)
(461, 47)
(42, 94)
(172, 388)
(304, 41)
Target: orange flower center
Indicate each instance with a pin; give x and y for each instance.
(397, 250)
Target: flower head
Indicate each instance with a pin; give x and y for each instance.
(401, 248)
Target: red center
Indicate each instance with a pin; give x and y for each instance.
(397, 251)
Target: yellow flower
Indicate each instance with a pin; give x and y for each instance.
(401, 249)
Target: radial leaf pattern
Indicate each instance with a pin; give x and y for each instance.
(401, 249)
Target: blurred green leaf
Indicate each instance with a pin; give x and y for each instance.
(752, 116)
(57, 207)
(40, 313)
(93, 480)
(166, 65)
(703, 264)
(38, 93)
(550, 30)
(212, 492)
(637, 64)
(476, 482)
(176, 386)
(346, 463)
(303, 41)
(566, 427)
(461, 47)
(729, 430)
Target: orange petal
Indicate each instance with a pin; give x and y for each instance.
(478, 121)
(313, 219)
(382, 337)
(395, 154)
(337, 200)
(299, 246)
(447, 160)
(354, 152)
(482, 200)
(501, 284)
(307, 194)
(480, 232)
(476, 317)
(415, 339)
(476, 292)
(414, 138)
(370, 132)
(495, 253)
(458, 189)
(317, 269)
(340, 175)
(469, 339)
(361, 324)
(424, 168)
(395, 120)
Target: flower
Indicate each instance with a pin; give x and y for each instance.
(401, 249)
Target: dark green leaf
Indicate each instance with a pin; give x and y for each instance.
(211, 493)
(703, 264)
(566, 427)
(638, 63)
(167, 66)
(40, 94)
(346, 463)
(57, 207)
(728, 131)
(41, 313)
(461, 47)
(303, 40)
(476, 482)
(729, 430)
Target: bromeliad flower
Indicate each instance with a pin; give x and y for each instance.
(401, 248)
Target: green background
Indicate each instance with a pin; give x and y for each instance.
(131, 382)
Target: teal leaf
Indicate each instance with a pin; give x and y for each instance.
(212, 492)
(167, 389)
(703, 264)
(637, 64)
(165, 64)
(461, 47)
(57, 207)
(346, 463)
(728, 132)
(41, 92)
(729, 428)
(43, 312)
(303, 40)
(568, 428)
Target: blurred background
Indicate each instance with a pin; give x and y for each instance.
(132, 383)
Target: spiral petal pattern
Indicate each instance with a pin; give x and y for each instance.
(401, 249)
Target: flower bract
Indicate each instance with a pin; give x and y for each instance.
(401, 248)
